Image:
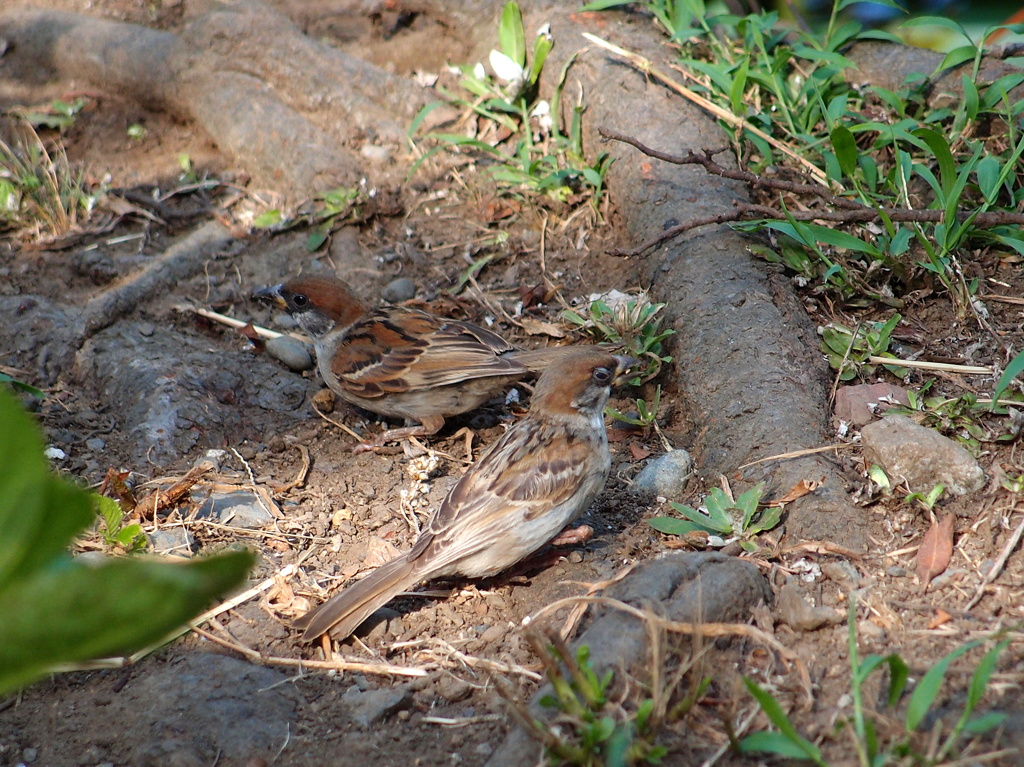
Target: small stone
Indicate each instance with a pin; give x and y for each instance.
(236, 509)
(666, 476)
(797, 612)
(95, 443)
(375, 153)
(55, 453)
(29, 755)
(146, 329)
(93, 754)
(399, 290)
(371, 706)
(493, 634)
(290, 351)
(453, 689)
(920, 456)
(172, 540)
(896, 571)
(842, 573)
(214, 456)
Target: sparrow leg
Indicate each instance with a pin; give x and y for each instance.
(469, 435)
(573, 535)
(429, 425)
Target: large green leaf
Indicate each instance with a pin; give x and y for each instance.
(82, 611)
(59, 610)
(38, 517)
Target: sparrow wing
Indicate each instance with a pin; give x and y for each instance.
(529, 472)
(398, 350)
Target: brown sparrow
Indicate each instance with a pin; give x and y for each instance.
(401, 362)
(539, 476)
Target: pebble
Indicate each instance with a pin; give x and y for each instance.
(290, 351)
(95, 443)
(398, 290)
(375, 153)
(172, 540)
(29, 755)
(453, 689)
(371, 706)
(147, 329)
(236, 509)
(797, 612)
(921, 456)
(667, 475)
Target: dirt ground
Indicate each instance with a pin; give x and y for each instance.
(345, 512)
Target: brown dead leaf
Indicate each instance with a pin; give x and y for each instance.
(537, 327)
(799, 490)
(639, 452)
(941, 617)
(936, 550)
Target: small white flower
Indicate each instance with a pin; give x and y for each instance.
(479, 72)
(545, 31)
(506, 70)
(543, 114)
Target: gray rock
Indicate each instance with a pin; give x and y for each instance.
(921, 456)
(95, 443)
(371, 706)
(399, 290)
(240, 509)
(206, 707)
(291, 351)
(172, 540)
(667, 475)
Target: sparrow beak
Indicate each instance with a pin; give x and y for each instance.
(622, 367)
(271, 295)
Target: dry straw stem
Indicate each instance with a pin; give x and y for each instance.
(645, 66)
(656, 622)
(970, 370)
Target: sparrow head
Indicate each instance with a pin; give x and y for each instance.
(580, 382)
(318, 304)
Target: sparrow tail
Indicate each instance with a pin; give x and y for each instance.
(342, 614)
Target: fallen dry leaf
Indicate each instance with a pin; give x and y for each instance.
(639, 452)
(537, 327)
(941, 617)
(936, 550)
(799, 490)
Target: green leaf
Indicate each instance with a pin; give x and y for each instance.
(984, 723)
(971, 98)
(39, 514)
(510, 33)
(845, 147)
(675, 526)
(958, 56)
(940, 148)
(787, 737)
(21, 385)
(78, 612)
(1013, 370)
(267, 219)
(928, 688)
(715, 520)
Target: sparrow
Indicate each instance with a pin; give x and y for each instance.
(540, 475)
(401, 362)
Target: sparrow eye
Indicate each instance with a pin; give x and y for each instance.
(601, 376)
(300, 300)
